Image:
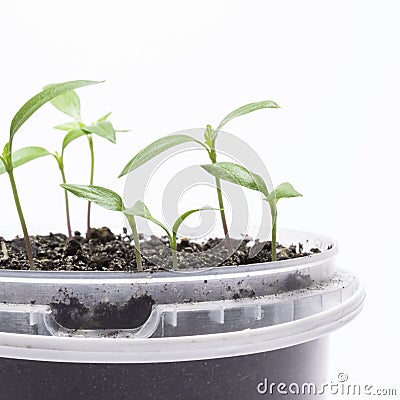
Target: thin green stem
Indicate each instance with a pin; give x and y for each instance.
(273, 243)
(213, 158)
(90, 139)
(61, 166)
(174, 252)
(132, 224)
(21, 218)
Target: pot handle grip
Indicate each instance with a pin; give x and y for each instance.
(35, 319)
(163, 320)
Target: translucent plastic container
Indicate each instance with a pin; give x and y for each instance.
(214, 333)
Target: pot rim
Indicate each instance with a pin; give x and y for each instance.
(190, 274)
(184, 348)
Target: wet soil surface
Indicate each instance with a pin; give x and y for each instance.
(105, 251)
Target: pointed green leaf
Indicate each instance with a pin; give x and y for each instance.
(68, 126)
(237, 174)
(24, 155)
(104, 117)
(71, 136)
(101, 196)
(208, 136)
(140, 209)
(68, 103)
(6, 151)
(103, 129)
(283, 191)
(42, 98)
(156, 148)
(248, 108)
(180, 220)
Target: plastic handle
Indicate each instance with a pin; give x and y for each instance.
(39, 320)
(187, 319)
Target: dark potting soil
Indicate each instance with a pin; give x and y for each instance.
(105, 251)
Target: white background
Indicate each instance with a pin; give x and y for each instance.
(333, 66)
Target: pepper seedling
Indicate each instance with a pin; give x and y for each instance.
(241, 176)
(10, 160)
(69, 103)
(140, 210)
(110, 200)
(209, 144)
(283, 191)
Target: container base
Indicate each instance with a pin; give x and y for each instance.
(233, 378)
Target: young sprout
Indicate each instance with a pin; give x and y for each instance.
(140, 210)
(69, 103)
(10, 160)
(110, 200)
(209, 144)
(241, 176)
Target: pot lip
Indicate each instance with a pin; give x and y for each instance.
(294, 264)
(185, 348)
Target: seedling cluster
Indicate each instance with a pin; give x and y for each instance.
(64, 98)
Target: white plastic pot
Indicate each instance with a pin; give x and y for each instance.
(193, 335)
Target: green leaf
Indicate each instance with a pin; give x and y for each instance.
(180, 220)
(101, 196)
(140, 209)
(71, 136)
(42, 98)
(24, 155)
(103, 129)
(156, 148)
(237, 174)
(248, 108)
(283, 191)
(68, 103)
(6, 151)
(68, 126)
(209, 136)
(104, 117)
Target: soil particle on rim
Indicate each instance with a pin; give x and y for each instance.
(296, 281)
(131, 314)
(72, 314)
(244, 294)
(105, 251)
(69, 313)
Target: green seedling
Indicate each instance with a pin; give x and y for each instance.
(110, 200)
(209, 144)
(283, 191)
(140, 210)
(69, 104)
(241, 176)
(10, 160)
